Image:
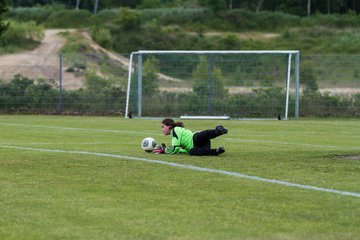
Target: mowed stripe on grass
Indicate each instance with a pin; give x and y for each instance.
(194, 168)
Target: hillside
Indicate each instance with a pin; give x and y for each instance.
(44, 61)
(41, 62)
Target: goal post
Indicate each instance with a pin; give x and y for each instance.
(240, 84)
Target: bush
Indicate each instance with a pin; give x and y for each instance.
(150, 4)
(336, 20)
(229, 42)
(314, 103)
(128, 19)
(69, 19)
(104, 17)
(14, 93)
(42, 95)
(21, 35)
(179, 16)
(102, 36)
(246, 20)
(36, 14)
(308, 77)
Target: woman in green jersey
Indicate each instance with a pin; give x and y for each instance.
(185, 141)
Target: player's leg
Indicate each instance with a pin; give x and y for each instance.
(205, 151)
(221, 130)
(204, 136)
(202, 143)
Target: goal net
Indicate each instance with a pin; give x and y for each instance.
(239, 84)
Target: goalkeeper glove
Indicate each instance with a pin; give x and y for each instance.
(160, 149)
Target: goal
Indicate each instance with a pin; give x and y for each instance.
(236, 84)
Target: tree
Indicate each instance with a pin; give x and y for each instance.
(308, 77)
(96, 6)
(77, 4)
(308, 7)
(150, 4)
(259, 6)
(328, 6)
(203, 86)
(215, 5)
(122, 3)
(149, 77)
(3, 9)
(231, 4)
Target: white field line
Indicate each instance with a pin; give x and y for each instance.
(320, 146)
(60, 143)
(78, 129)
(194, 168)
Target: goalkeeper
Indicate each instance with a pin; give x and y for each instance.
(185, 141)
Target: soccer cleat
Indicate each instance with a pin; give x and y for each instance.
(221, 129)
(220, 150)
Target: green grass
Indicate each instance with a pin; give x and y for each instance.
(67, 195)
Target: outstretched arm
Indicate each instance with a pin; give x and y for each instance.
(175, 149)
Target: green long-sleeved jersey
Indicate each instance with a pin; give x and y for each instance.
(181, 141)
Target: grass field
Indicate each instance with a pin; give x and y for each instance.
(66, 177)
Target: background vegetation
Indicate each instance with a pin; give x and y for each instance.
(328, 27)
(179, 24)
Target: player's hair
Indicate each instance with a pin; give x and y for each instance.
(170, 122)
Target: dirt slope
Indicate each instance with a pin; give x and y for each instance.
(42, 62)
(120, 59)
(45, 54)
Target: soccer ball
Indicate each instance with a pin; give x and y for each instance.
(148, 144)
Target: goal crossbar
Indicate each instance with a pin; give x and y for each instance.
(218, 52)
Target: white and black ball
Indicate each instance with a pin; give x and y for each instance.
(148, 144)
